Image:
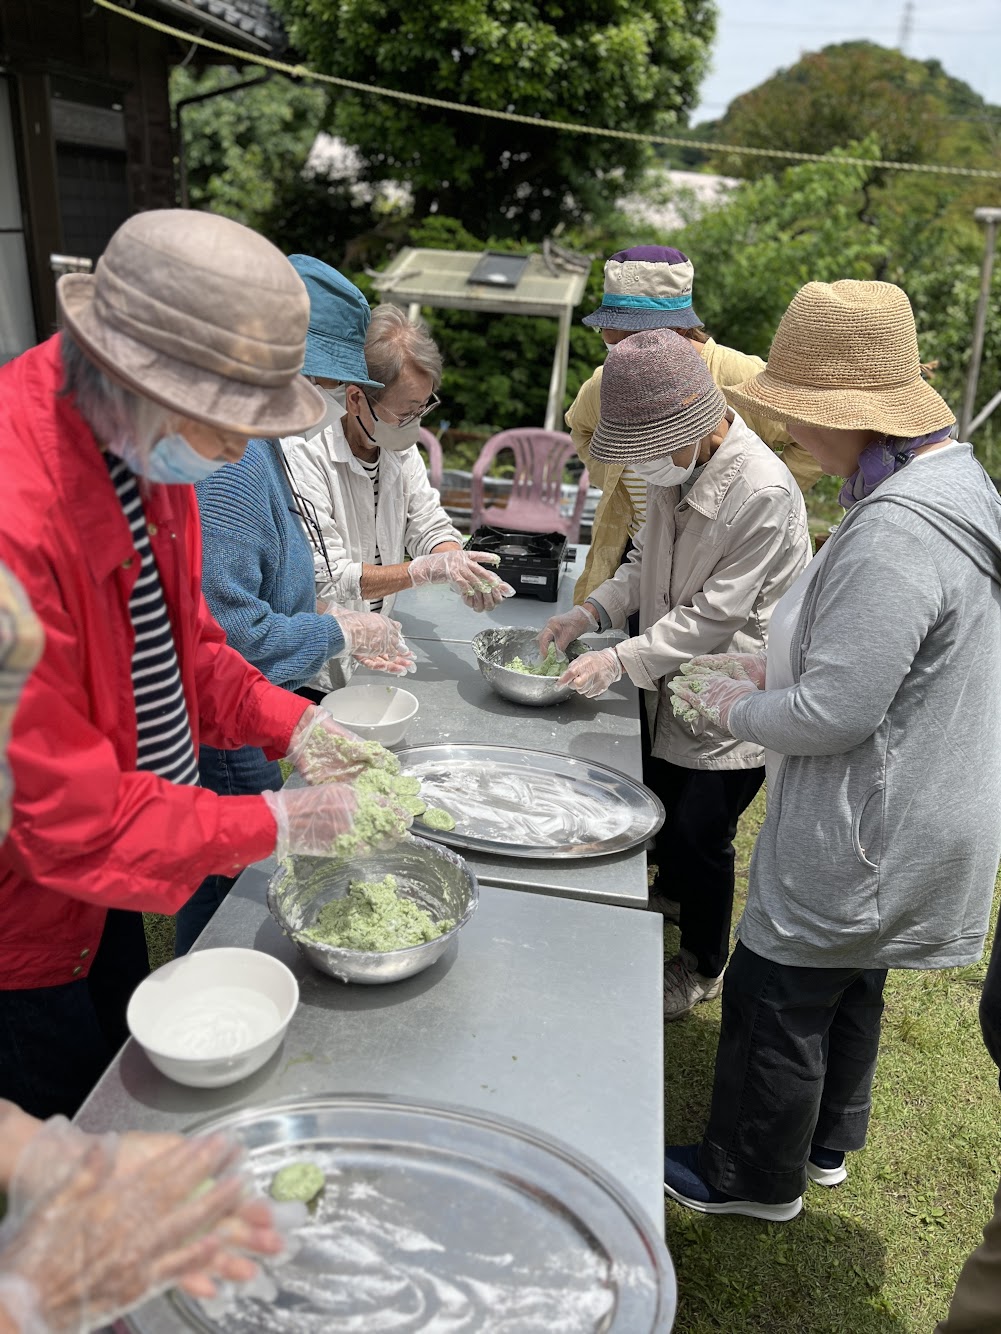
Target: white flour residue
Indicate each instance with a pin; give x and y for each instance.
(519, 805)
(360, 1267)
(215, 1022)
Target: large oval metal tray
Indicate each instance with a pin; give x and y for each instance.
(510, 802)
(442, 1220)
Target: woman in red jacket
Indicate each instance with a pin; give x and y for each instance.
(187, 340)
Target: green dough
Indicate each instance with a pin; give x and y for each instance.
(323, 747)
(373, 916)
(298, 1181)
(435, 818)
(374, 823)
(551, 665)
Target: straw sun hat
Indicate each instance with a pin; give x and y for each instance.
(845, 355)
(201, 315)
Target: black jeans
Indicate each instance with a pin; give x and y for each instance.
(56, 1042)
(231, 773)
(695, 850)
(794, 1067)
(990, 1003)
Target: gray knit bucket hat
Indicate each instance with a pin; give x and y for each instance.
(656, 396)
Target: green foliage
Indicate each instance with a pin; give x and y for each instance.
(243, 149)
(754, 251)
(614, 63)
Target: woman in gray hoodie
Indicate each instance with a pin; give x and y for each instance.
(879, 708)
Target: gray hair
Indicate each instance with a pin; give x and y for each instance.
(395, 344)
(116, 415)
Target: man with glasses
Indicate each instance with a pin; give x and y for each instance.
(366, 485)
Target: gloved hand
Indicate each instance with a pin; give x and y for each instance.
(592, 673)
(86, 1237)
(309, 819)
(375, 641)
(481, 589)
(324, 752)
(564, 629)
(703, 693)
(749, 666)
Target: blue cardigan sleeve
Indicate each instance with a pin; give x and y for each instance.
(257, 571)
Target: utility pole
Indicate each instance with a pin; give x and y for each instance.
(906, 27)
(992, 218)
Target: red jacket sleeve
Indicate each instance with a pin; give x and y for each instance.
(84, 827)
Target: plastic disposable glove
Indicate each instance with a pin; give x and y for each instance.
(375, 641)
(102, 1237)
(564, 629)
(704, 693)
(479, 588)
(310, 819)
(739, 665)
(592, 673)
(324, 752)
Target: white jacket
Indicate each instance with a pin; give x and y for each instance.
(410, 518)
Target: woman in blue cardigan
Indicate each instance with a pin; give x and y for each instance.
(257, 573)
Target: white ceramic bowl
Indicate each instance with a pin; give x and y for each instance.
(213, 1017)
(376, 712)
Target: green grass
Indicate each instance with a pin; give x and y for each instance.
(159, 938)
(879, 1254)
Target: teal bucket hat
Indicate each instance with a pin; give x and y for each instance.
(338, 322)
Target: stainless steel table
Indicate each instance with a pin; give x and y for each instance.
(543, 1010)
(458, 705)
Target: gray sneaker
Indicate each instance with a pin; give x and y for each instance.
(684, 987)
(669, 909)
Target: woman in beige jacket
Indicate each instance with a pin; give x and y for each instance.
(725, 536)
(650, 287)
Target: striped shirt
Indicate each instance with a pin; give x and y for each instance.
(372, 470)
(636, 488)
(165, 744)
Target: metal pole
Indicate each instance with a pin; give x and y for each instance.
(558, 380)
(990, 216)
(182, 157)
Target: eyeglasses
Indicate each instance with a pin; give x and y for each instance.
(433, 402)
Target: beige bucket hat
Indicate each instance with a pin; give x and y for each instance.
(845, 355)
(202, 315)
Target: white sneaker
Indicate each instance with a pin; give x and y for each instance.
(824, 1169)
(684, 987)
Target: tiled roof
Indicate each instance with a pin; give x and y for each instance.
(253, 18)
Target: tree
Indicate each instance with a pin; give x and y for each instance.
(614, 63)
(244, 148)
(915, 111)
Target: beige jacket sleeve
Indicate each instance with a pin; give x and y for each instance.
(759, 534)
(582, 421)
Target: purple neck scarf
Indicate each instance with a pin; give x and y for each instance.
(881, 460)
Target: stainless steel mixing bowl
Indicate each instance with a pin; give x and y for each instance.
(433, 877)
(494, 648)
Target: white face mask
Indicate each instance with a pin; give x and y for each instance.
(336, 407)
(385, 435)
(662, 472)
(171, 461)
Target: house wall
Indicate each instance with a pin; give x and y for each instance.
(92, 129)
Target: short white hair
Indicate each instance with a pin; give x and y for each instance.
(395, 343)
(116, 415)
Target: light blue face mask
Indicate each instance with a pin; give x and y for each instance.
(171, 461)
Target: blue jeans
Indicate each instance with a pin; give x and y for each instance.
(55, 1042)
(231, 773)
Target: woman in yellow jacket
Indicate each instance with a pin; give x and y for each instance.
(650, 287)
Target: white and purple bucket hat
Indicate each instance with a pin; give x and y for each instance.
(647, 287)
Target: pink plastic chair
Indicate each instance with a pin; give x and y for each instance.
(534, 506)
(429, 442)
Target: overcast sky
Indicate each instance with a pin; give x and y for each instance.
(756, 37)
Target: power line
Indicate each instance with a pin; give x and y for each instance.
(536, 122)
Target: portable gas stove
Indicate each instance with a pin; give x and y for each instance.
(529, 562)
